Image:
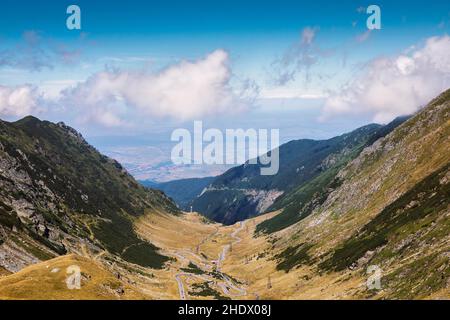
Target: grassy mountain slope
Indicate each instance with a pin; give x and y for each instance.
(47, 281)
(391, 209)
(57, 191)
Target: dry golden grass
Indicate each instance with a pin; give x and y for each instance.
(184, 238)
(4, 272)
(250, 262)
(47, 281)
(174, 232)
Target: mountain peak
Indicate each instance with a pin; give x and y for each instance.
(27, 120)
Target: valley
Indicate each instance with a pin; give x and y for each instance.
(221, 262)
(382, 205)
(211, 262)
(187, 151)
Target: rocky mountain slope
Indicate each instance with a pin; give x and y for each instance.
(58, 194)
(390, 210)
(307, 170)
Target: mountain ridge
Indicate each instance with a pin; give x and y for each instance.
(56, 188)
(241, 192)
(390, 209)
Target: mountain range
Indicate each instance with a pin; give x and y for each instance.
(307, 172)
(372, 202)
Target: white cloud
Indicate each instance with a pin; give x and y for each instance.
(103, 117)
(289, 93)
(184, 91)
(51, 89)
(399, 85)
(18, 101)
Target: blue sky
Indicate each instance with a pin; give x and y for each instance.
(108, 18)
(254, 32)
(141, 68)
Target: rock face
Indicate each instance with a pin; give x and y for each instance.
(242, 192)
(57, 192)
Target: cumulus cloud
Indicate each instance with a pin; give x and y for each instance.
(18, 101)
(394, 86)
(184, 91)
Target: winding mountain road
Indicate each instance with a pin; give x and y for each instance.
(227, 283)
(227, 247)
(181, 290)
